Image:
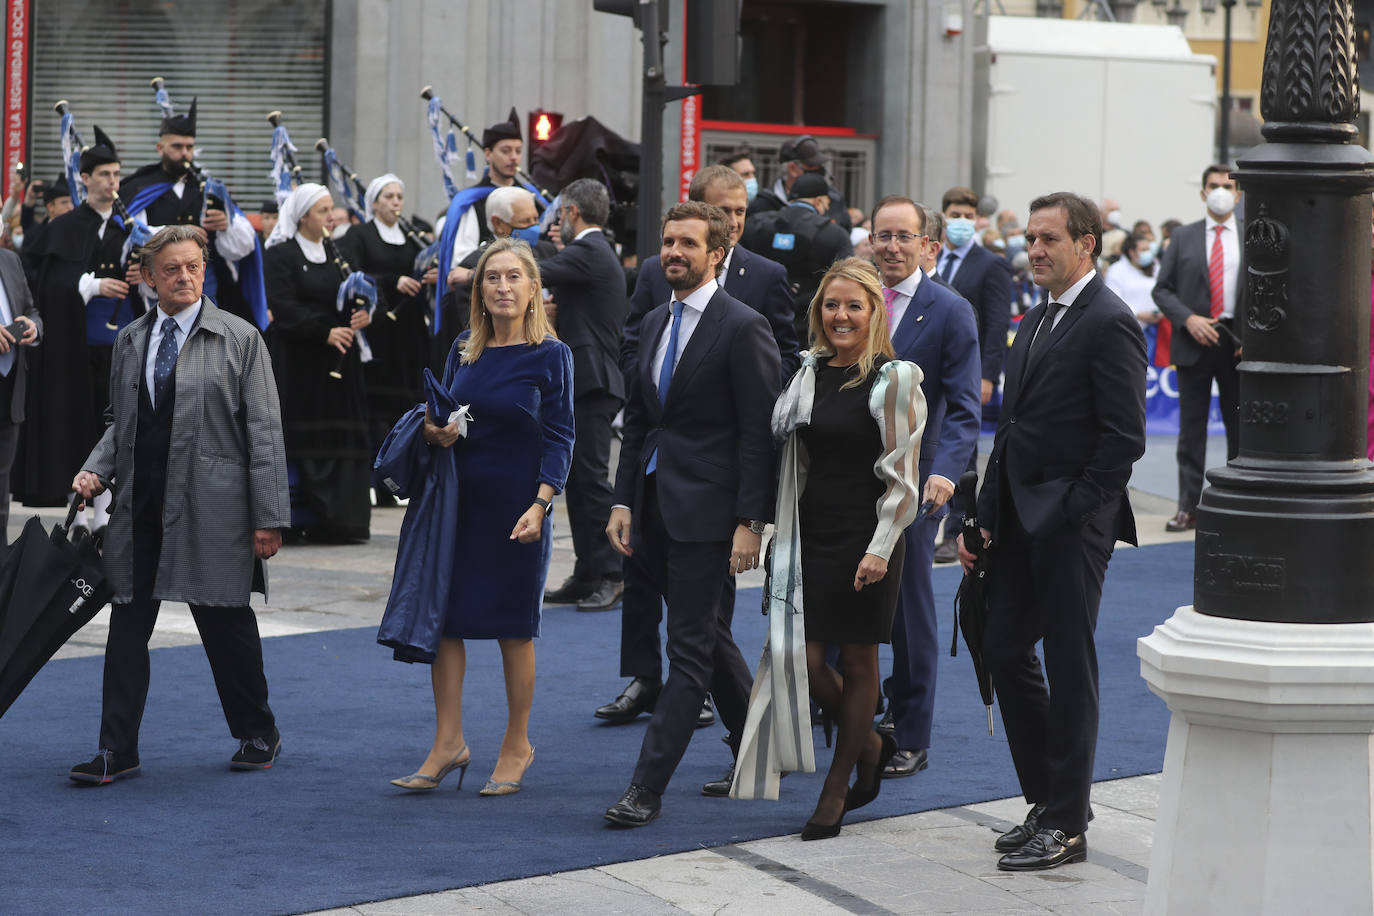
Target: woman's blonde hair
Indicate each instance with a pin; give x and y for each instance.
(862, 272)
(537, 327)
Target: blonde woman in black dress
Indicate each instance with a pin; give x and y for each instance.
(857, 414)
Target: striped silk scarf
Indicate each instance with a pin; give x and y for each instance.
(777, 730)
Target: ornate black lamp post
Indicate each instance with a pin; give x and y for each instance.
(1286, 531)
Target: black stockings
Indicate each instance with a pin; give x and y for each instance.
(850, 700)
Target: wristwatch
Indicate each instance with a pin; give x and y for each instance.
(754, 525)
(548, 506)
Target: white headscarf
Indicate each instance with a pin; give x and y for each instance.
(296, 205)
(375, 189)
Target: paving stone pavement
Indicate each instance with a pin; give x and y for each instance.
(932, 862)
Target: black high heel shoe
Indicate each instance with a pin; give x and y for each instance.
(861, 794)
(818, 831)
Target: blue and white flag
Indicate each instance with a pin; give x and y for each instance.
(446, 149)
(358, 287)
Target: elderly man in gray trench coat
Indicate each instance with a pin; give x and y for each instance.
(194, 449)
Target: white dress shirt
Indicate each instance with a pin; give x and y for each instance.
(88, 286)
(1230, 250)
(1070, 296)
(906, 291)
(693, 307)
(185, 319)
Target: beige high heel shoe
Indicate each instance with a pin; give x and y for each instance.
(421, 782)
(508, 788)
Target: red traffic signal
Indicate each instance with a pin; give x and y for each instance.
(543, 125)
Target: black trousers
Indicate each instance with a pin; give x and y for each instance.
(641, 651)
(1194, 402)
(232, 645)
(1049, 589)
(702, 655)
(588, 494)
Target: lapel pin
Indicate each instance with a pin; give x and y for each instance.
(741, 271)
(919, 317)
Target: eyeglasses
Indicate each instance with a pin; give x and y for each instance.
(906, 238)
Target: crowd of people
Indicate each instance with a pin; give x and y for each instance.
(784, 359)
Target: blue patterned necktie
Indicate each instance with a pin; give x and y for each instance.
(166, 359)
(665, 374)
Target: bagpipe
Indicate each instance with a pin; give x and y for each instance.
(345, 182)
(286, 173)
(139, 233)
(358, 291)
(437, 106)
(445, 149)
(71, 152)
(132, 253)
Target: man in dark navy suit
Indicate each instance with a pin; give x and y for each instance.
(588, 285)
(694, 488)
(983, 278)
(1052, 506)
(934, 328)
(760, 284)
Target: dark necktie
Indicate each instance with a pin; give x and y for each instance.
(665, 373)
(166, 359)
(948, 273)
(1041, 340)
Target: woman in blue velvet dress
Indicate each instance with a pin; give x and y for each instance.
(515, 377)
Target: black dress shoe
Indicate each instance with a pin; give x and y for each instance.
(257, 753)
(707, 716)
(639, 696)
(1183, 521)
(1047, 849)
(865, 790)
(720, 788)
(1020, 835)
(605, 596)
(636, 807)
(105, 768)
(885, 725)
(948, 551)
(571, 591)
(906, 763)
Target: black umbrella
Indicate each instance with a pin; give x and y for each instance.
(971, 601)
(51, 585)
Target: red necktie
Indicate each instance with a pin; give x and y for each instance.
(888, 296)
(1216, 275)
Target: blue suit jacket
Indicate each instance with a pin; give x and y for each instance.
(937, 333)
(984, 279)
(713, 435)
(754, 280)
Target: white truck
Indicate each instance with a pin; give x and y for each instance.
(1104, 109)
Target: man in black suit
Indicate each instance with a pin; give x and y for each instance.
(1052, 506)
(1201, 290)
(694, 488)
(588, 285)
(16, 307)
(984, 279)
(760, 284)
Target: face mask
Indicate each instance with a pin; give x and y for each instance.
(959, 231)
(1016, 243)
(529, 235)
(1146, 257)
(1114, 218)
(751, 187)
(1221, 201)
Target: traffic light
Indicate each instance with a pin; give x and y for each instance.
(543, 125)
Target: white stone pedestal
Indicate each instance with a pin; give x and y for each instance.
(1266, 800)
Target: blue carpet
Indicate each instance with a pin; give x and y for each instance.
(323, 828)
